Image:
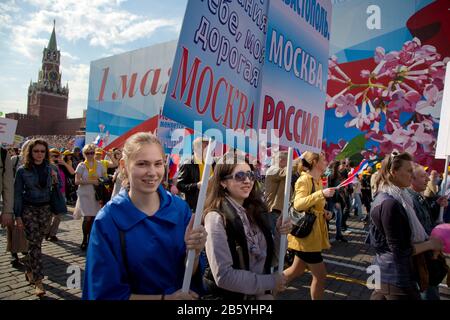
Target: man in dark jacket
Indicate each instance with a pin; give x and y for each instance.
(190, 173)
(426, 213)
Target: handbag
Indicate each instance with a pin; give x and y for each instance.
(430, 272)
(98, 192)
(303, 221)
(16, 240)
(57, 200)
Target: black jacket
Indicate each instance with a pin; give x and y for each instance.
(188, 177)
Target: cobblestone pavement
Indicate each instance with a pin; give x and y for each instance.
(346, 265)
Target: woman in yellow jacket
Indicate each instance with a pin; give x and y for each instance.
(308, 250)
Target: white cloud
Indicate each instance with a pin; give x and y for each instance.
(6, 10)
(67, 55)
(100, 22)
(25, 31)
(77, 75)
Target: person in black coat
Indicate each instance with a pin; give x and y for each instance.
(190, 173)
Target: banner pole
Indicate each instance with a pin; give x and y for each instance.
(287, 193)
(444, 189)
(198, 216)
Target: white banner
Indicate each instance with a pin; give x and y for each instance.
(443, 140)
(127, 89)
(7, 130)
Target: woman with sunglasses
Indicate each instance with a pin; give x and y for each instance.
(240, 246)
(308, 250)
(395, 231)
(86, 177)
(140, 238)
(32, 188)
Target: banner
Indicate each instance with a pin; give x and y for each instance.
(216, 76)
(7, 130)
(18, 140)
(295, 72)
(443, 139)
(166, 129)
(127, 89)
(386, 80)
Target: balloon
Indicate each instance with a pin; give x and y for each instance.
(442, 232)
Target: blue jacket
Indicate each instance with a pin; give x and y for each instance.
(28, 190)
(155, 249)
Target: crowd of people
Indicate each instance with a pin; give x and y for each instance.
(138, 225)
(58, 141)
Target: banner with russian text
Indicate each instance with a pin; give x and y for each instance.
(216, 75)
(295, 72)
(127, 89)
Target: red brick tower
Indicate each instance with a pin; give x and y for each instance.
(47, 99)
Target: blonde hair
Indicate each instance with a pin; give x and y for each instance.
(308, 161)
(88, 147)
(132, 146)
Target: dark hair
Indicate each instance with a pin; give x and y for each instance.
(391, 162)
(28, 154)
(335, 170)
(254, 205)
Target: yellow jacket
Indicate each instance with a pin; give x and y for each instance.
(317, 240)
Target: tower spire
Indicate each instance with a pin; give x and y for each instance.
(52, 43)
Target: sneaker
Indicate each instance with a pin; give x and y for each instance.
(346, 231)
(53, 238)
(16, 264)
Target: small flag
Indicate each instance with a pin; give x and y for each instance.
(174, 160)
(297, 153)
(360, 168)
(97, 140)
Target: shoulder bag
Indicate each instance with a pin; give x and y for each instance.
(303, 221)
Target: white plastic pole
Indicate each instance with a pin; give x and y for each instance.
(444, 189)
(198, 215)
(287, 193)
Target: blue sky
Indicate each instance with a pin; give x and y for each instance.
(86, 30)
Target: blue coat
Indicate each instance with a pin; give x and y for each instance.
(155, 249)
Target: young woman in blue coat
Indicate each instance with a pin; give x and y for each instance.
(139, 240)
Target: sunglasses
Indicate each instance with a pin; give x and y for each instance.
(241, 176)
(39, 151)
(394, 154)
(89, 153)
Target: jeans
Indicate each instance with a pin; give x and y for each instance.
(357, 204)
(447, 214)
(432, 293)
(338, 214)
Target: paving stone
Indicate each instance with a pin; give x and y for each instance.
(58, 256)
